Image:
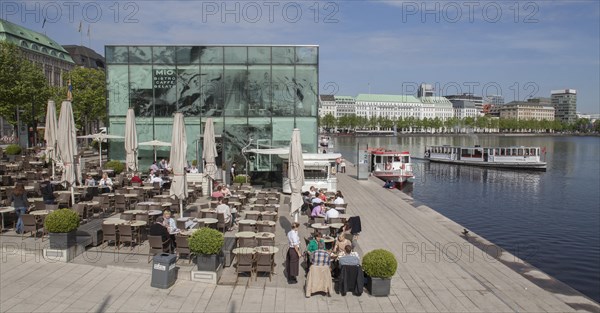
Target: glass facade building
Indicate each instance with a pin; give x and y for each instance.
(251, 92)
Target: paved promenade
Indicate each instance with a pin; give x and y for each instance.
(439, 271)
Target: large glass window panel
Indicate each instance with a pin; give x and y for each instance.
(308, 133)
(236, 55)
(188, 90)
(211, 90)
(118, 89)
(163, 131)
(284, 90)
(236, 90)
(259, 55)
(259, 90)
(164, 79)
(306, 90)
(145, 131)
(188, 55)
(235, 137)
(163, 55)
(306, 55)
(116, 147)
(260, 130)
(283, 55)
(192, 132)
(116, 55)
(140, 55)
(282, 131)
(211, 55)
(140, 90)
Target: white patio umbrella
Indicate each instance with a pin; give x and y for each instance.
(296, 173)
(131, 141)
(67, 144)
(50, 134)
(178, 161)
(154, 144)
(100, 137)
(209, 152)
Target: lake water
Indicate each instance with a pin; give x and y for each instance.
(550, 219)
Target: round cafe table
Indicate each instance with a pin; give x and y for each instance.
(266, 250)
(244, 250)
(336, 225)
(188, 232)
(114, 221)
(245, 234)
(39, 212)
(320, 226)
(265, 235)
(268, 213)
(208, 220)
(134, 212)
(247, 222)
(269, 223)
(155, 212)
(138, 223)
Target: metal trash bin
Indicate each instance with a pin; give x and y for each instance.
(164, 271)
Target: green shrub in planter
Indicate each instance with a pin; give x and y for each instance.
(13, 150)
(116, 166)
(380, 263)
(62, 221)
(206, 241)
(195, 162)
(240, 179)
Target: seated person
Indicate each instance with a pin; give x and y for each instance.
(217, 193)
(331, 212)
(339, 248)
(306, 202)
(169, 222)
(317, 211)
(226, 210)
(322, 196)
(339, 198)
(158, 229)
(349, 257)
(105, 184)
(156, 179)
(389, 184)
(320, 257)
(47, 190)
(313, 243)
(193, 169)
(312, 191)
(137, 179)
(226, 192)
(154, 167)
(90, 181)
(316, 200)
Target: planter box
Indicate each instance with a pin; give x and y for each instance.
(63, 240)
(379, 287)
(208, 262)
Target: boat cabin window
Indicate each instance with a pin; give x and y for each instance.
(520, 152)
(477, 153)
(405, 159)
(396, 159)
(465, 153)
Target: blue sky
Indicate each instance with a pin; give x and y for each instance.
(523, 48)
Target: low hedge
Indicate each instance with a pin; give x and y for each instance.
(240, 179)
(380, 263)
(62, 221)
(206, 241)
(13, 150)
(115, 165)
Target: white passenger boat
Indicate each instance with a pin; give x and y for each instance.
(391, 165)
(500, 157)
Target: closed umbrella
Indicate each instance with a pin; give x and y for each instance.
(100, 137)
(296, 173)
(50, 134)
(131, 141)
(154, 144)
(209, 151)
(67, 144)
(178, 161)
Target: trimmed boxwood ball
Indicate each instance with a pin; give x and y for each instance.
(240, 179)
(13, 150)
(380, 263)
(115, 165)
(62, 221)
(206, 241)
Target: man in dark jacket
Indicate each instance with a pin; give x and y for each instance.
(158, 229)
(47, 190)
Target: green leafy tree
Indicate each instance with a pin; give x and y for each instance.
(89, 96)
(328, 121)
(23, 87)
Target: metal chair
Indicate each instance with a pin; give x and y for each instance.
(245, 263)
(31, 225)
(109, 233)
(265, 262)
(157, 246)
(265, 228)
(183, 247)
(126, 234)
(265, 241)
(246, 227)
(252, 216)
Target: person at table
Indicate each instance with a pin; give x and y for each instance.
(312, 191)
(322, 196)
(47, 190)
(218, 193)
(226, 210)
(316, 200)
(136, 179)
(225, 190)
(320, 257)
(194, 169)
(313, 245)
(306, 204)
(317, 210)
(331, 213)
(163, 164)
(339, 198)
(292, 261)
(340, 244)
(349, 257)
(154, 167)
(169, 222)
(156, 179)
(19, 201)
(90, 181)
(106, 183)
(159, 229)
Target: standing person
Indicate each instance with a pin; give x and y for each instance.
(20, 203)
(343, 165)
(292, 261)
(232, 172)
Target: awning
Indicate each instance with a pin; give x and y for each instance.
(279, 151)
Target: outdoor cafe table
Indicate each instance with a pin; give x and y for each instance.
(162, 196)
(36, 199)
(265, 234)
(39, 212)
(336, 225)
(244, 250)
(67, 192)
(90, 203)
(266, 250)
(245, 234)
(320, 226)
(247, 222)
(269, 223)
(6, 209)
(253, 212)
(134, 212)
(114, 221)
(268, 213)
(155, 212)
(188, 232)
(207, 221)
